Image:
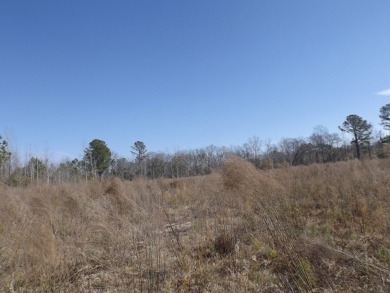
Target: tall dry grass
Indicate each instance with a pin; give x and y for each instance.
(304, 229)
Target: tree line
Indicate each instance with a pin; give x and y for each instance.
(99, 161)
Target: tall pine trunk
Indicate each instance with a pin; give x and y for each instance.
(357, 148)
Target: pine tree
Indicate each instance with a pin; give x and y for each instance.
(97, 158)
(359, 128)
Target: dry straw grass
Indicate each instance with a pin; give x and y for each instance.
(320, 228)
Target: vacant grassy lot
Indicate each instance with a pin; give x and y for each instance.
(321, 228)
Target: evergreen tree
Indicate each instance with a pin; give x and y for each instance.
(359, 128)
(384, 115)
(139, 150)
(5, 156)
(97, 158)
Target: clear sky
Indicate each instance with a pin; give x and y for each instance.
(180, 74)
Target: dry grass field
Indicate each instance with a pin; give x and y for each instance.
(317, 228)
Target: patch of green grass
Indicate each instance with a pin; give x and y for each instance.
(305, 273)
(383, 253)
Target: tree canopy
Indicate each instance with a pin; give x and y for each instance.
(384, 115)
(139, 150)
(359, 128)
(97, 157)
(5, 155)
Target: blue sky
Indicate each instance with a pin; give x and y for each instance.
(186, 74)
